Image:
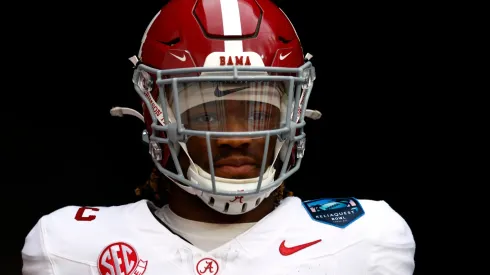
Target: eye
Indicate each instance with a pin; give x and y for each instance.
(205, 118)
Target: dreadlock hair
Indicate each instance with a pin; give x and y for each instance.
(152, 189)
(155, 189)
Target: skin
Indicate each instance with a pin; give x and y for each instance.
(234, 157)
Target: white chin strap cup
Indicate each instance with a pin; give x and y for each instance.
(227, 204)
(230, 205)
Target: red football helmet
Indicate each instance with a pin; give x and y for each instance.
(229, 78)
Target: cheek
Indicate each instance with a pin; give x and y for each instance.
(258, 148)
(197, 149)
(272, 146)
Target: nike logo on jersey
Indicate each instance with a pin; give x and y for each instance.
(282, 57)
(178, 57)
(220, 93)
(286, 251)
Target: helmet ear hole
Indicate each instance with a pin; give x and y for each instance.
(172, 42)
(284, 40)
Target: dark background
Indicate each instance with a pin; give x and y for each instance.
(61, 146)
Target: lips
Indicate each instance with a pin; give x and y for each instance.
(235, 161)
(236, 167)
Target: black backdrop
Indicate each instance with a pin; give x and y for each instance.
(61, 146)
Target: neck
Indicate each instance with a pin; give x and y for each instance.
(192, 207)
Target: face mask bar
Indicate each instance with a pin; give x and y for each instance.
(299, 84)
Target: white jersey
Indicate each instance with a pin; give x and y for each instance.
(334, 237)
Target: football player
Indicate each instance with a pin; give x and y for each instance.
(224, 87)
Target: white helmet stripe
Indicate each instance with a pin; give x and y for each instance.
(230, 13)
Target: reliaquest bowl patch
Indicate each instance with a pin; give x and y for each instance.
(339, 212)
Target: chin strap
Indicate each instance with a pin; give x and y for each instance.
(313, 114)
(121, 111)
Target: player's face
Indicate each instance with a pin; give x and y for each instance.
(232, 157)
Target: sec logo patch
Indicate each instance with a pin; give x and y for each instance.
(120, 259)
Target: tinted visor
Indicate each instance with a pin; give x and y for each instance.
(230, 107)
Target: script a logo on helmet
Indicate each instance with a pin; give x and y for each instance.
(120, 259)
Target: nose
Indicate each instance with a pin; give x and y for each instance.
(234, 142)
(235, 125)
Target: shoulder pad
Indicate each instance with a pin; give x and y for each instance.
(338, 212)
(77, 232)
